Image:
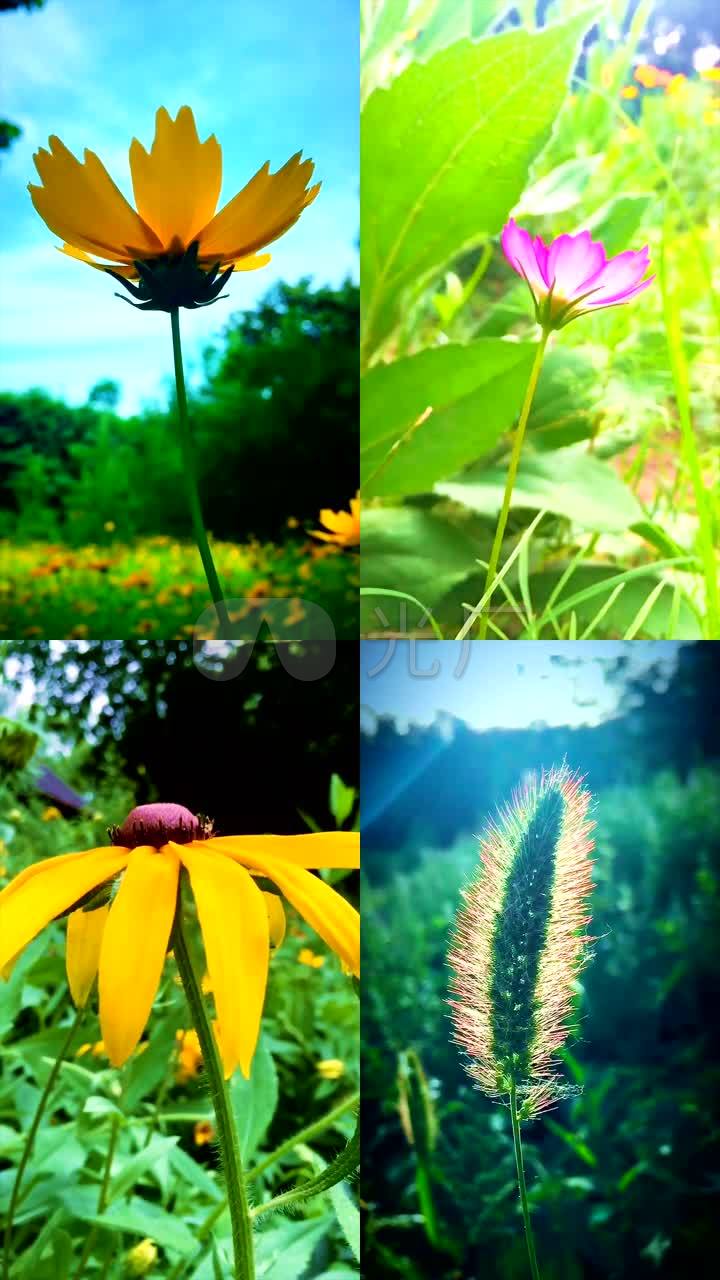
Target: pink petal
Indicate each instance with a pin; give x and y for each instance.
(618, 297)
(572, 261)
(620, 275)
(518, 248)
(541, 255)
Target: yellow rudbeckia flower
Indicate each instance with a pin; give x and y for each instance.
(126, 948)
(174, 242)
(344, 526)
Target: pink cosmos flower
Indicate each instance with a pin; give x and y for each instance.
(573, 275)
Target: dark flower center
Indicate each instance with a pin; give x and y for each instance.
(157, 824)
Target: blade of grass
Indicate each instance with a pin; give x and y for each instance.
(602, 611)
(643, 612)
(477, 610)
(402, 595)
(681, 383)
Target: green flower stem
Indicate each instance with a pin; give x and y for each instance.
(102, 1197)
(343, 1166)
(521, 1183)
(509, 486)
(303, 1135)
(32, 1134)
(190, 470)
(228, 1143)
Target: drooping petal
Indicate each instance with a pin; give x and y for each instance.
(82, 951)
(620, 297)
(133, 948)
(260, 213)
(541, 254)
(519, 250)
(81, 203)
(177, 183)
(121, 269)
(571, 262)
(620, 275)
(276, 918)
(46, 889)
(326, 911)
(313, 849)
(234, 922)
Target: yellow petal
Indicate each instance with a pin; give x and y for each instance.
(313, 849)
(261, 212)
(335, 520)
(134, 946)
(337, 923)
(234, 923)
(81, 203)
(82, 951)
(177, 184)
(120, 269)
(48, 888)
(276, 918)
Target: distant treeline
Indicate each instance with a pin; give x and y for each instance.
(275, 427)
(434, 783)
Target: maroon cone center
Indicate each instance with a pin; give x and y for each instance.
(157, 824)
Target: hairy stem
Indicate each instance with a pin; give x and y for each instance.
(521, 1183)
(242, 1236)
(190, 471)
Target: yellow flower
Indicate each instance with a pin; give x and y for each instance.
(175, 240)
(344, 526)
(710, 73)
(308, 957)
(330, 1068)
(141, 1258)
(189, 1056)
(51, 814)
(629, 91)
(109, 526)
(147, 852)
(203, 1133)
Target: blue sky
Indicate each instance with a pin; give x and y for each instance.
(498, 685)
(268, 79)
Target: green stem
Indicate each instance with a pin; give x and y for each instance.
(521, 1183)
(228, 1143)
(190, 471)
(32, 1134)
(102, 1198)
(509, 486)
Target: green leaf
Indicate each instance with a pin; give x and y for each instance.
(446, 151)
(134, 1167)
(254, 1100)
(618, 221)
(342, 799)
(576, 1144)
(566, 404)
(474, 392)
(413, 551)
(286, 1250)
(137, 1216)
(567, 482)
(560, 189)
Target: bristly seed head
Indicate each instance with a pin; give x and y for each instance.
(157, 824)
(519, 941)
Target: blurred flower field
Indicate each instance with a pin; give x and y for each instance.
(155, 586)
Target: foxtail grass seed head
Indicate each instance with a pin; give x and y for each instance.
(520, 941)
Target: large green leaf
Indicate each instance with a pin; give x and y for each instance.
(474, 391)
(566, 481)
(414, 551)
(560, 189)
(446, 151)
(254, 1100)
(568, 398)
